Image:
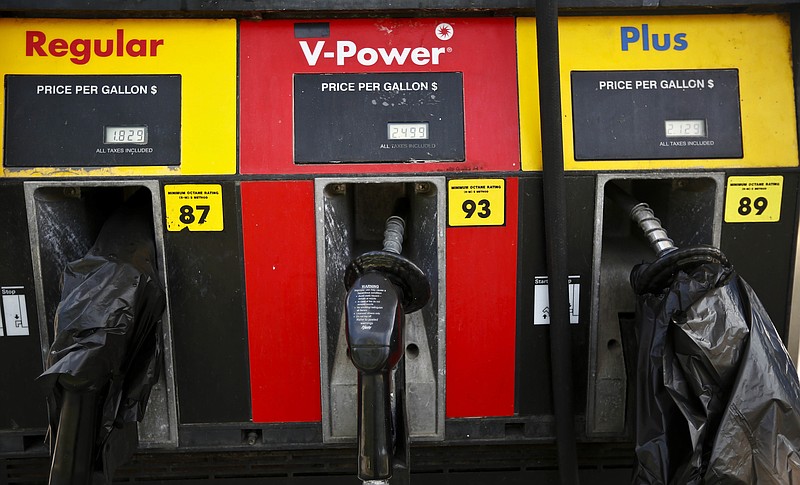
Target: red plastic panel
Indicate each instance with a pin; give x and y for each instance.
(482, 49)
(481, 316)
(281, 282)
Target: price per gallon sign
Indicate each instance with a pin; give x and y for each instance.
(378, 117)
(92, 120)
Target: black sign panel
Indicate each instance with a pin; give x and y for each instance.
(379, 117)
(92, 121)
(656, 115)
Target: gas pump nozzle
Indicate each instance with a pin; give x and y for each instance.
(382, 287)
(374, 336)
(669, 258)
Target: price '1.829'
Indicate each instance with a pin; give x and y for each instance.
(136, 135)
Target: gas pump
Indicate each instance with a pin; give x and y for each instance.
(378, 115)
(681, 120)
(80, 138)
(275, 149)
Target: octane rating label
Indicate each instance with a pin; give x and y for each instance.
(754, 199)
(476, 202)
(193, 207)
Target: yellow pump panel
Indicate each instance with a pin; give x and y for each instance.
(201, 52)
(757, 47)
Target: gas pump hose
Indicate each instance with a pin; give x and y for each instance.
(555, 216)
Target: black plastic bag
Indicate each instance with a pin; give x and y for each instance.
(718, 398)
(107, 332)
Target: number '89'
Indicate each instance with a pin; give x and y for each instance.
(747, 205)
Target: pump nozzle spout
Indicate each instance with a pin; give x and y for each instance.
(393, 235)
(644, 217)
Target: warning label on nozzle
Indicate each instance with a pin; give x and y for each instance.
(369, 305)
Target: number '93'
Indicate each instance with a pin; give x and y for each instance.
(470, 207)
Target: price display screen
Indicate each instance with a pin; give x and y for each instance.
(125, 134)
(102, 124)
(407, 131)
(685, 128)
(656, 115)
(393, 117)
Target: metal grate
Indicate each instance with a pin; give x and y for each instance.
(508, 463)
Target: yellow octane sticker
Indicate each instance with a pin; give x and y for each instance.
(754, 199)
(193, 207)
(476, 202)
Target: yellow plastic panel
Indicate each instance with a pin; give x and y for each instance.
(529, 121)
(203, 52)
(758, 46)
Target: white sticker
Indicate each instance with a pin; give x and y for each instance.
(15, 312)
(541, 300)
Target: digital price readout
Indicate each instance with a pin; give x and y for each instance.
(136, 135)
(656, 115)
(685, 128)
(379, 117)
(92, 120)
(407, 131)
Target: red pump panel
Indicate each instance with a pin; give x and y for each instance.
(482, 49)
(281, 282)
(481, 316)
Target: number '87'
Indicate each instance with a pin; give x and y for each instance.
(188, 214)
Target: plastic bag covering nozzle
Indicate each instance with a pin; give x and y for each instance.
(107, 347)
